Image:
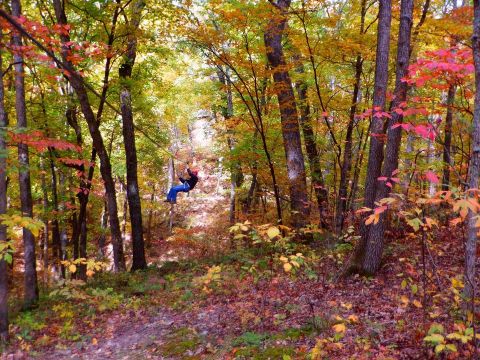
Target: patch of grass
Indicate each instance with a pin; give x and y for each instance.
(317, 324)
(275, 352)
(180, 343)
(250, 339)
(29, 322)
(268, 353)
(294, 334)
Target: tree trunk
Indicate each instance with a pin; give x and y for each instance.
(288, 115)
(312, 152)
(447, 161)
(358, 166)
(236, 174)
(3, 206)
(150, 217)
(342, 201)
(375, 240)
(80, 236)
(408, 163)
(102, 237)
(254, 184)
(474, 168)
(105, 167)
(347, 153)
(56, 253)
(133, 192)
(46, 231)
(375, 156)
(125, 209)
(62, 228)
(30, 275)
(71, 117)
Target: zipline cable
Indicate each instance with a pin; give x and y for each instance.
(61, 64)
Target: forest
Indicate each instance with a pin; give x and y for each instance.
(239, 179)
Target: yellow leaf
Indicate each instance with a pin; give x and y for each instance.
(439, 348)
(370, 219)
(456, 283)
(294, 263)
(72, 268)
(35, 232)
(353, 319)
(90, 273)
(273, 231)
(347, 306)
(287, 267)
(337, 318)
(404, 300)
(339, 328)
(283, 259)
(374, 218)
(94, 341)
(417, 303)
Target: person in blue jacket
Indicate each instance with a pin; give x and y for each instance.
(185, 186)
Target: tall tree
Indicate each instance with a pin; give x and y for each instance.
(288, 113)
(133, 191)
(78, 85)
(374, 246)
(375, 155)
(347, 152)
(30, 277)
(474, 168)
(236, 174)
(3, 204)
(79, 237)
(447, 143)
(311, 149)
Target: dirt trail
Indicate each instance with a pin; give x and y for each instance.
(145, 337)
(131, 340)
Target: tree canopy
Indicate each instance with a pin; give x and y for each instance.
(337, 149)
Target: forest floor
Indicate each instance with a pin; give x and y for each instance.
(203, 299)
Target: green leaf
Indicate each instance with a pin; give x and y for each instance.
(273, 232)
(415, 223)
(436, 328)
(8, 258)
(414, 289)
(434, 339)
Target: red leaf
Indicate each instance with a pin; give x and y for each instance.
(430, 176)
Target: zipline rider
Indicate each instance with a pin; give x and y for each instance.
(185, 186)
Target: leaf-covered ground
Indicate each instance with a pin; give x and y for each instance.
(207, 296)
